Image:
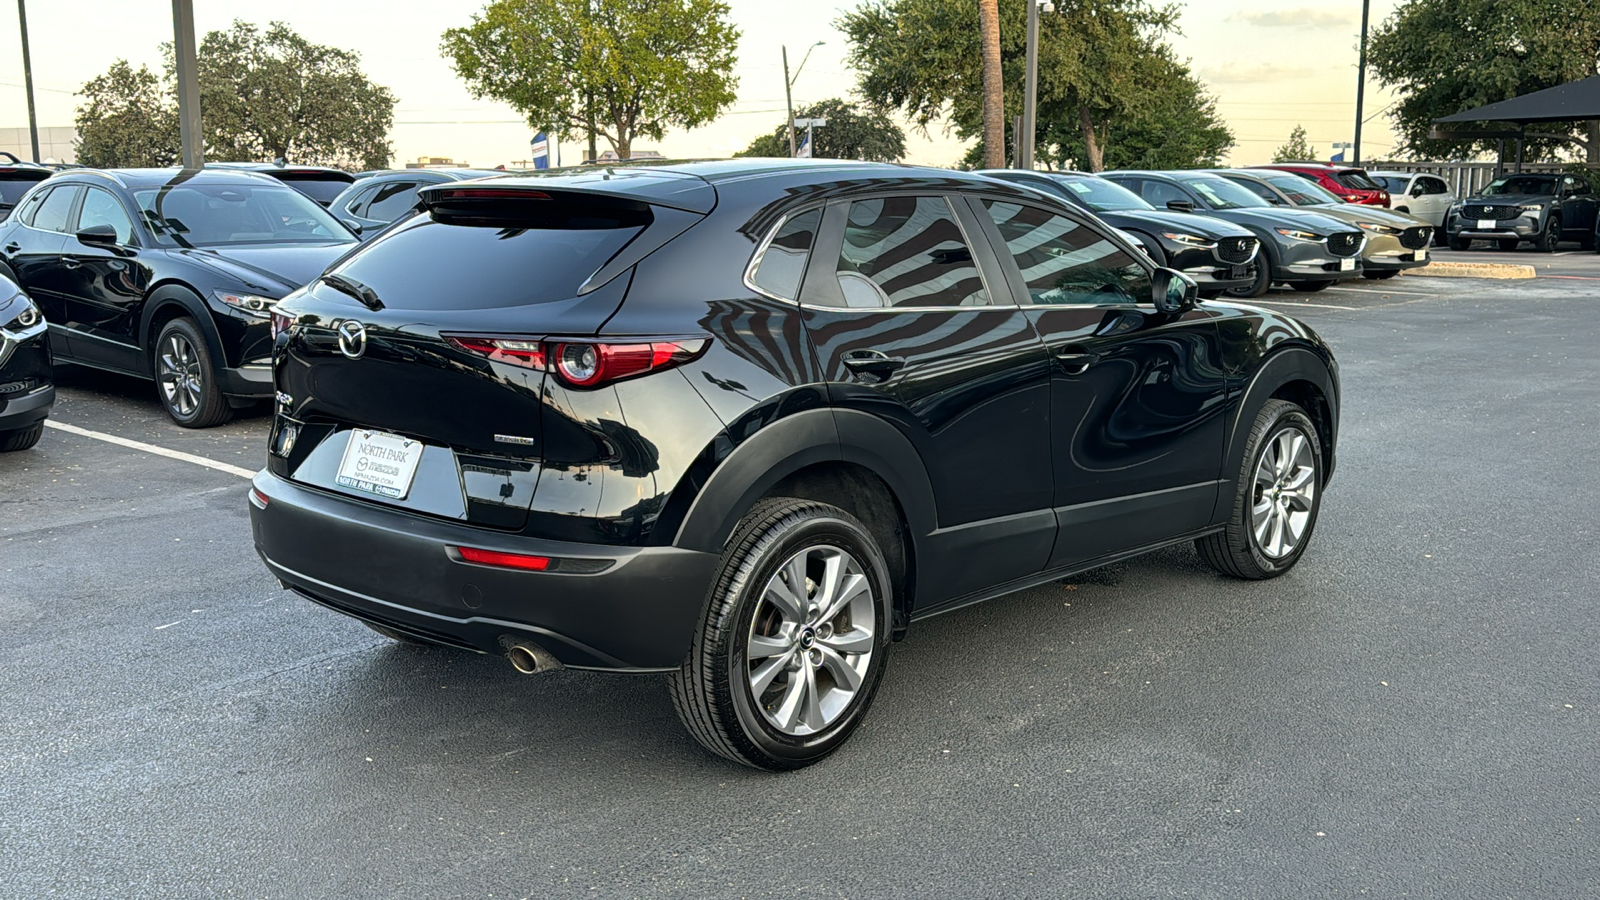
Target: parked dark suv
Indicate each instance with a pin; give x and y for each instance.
(743, 422)
(169, 274)
(26, 389)
(1543, 208)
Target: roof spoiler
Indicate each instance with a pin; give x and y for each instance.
(654, 187)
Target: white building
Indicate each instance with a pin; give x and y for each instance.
(56, 143)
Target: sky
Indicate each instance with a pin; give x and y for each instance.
(1272, 64)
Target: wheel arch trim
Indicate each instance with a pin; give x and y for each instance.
(1286, 365)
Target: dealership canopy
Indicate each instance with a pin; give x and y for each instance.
(1571, 102)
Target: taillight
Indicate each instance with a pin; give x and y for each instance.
(504, 560)
(280, 323)
(586, 364)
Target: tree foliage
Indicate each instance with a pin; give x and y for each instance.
(626, 68)
(1106, 76)
(1447, 56)
(262, 96)
(127, 120)
(1296, 149)
(273, 94)
(851, 133)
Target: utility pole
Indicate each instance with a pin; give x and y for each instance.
(1030, 93)
(27, 78)
(1361, 81)
(191, 141)
(788, 88)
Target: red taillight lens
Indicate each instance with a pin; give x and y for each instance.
(280, 323)
(586, 364)
(259, 499)
(504, 560)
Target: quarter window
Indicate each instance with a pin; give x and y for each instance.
(907, 252)
(52, 213)
(102, 208)
(784, 260)
(1066, 262)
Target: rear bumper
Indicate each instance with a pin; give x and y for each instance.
(393, 568)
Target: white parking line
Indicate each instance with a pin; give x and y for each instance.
(152, 448)
(1297, 303)
(1376, 291)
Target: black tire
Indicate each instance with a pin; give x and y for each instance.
(1550, 237)
(1508, 245)
(1379, 276)
(400, 636)
(712, 692)
(1460, 243)
(1236, 550)
(186, 380)
(1260, 285)
(21, 438)
(1310, 287)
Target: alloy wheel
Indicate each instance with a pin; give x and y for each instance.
(178, 371)
(1285, 488)
(811, 640)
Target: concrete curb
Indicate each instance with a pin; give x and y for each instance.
(1473, 270)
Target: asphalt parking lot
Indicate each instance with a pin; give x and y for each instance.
(1411, 713)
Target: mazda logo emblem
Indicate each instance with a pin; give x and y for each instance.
(352, 338)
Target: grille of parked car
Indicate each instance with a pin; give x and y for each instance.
(1416, 238)
(1489, 211)
(1344, 243)
(1235, 250)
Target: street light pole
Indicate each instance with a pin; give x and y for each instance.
(1030, 93)
(1361, 81)
(788, 88)
(27, 79)
(190, 140)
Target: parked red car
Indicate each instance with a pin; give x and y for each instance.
(1347, 182)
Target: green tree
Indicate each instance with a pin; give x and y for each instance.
(1296, 150)
(262, 96)
(127, 120)
(851, 133)
(621, 68)
(1105, 72)
(273, 94)
(1447, 56)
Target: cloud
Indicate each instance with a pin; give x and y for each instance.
(1302, 17)
(1253, 73)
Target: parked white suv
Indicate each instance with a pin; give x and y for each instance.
(1423, 196)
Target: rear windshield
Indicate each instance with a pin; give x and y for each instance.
(1357, 181)
(320, 189)
(12, 188)
(428, 264)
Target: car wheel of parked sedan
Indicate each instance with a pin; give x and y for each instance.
(1310, 287)
(1508, 245)
(1550, 237)
(186, 379)
(1257, 287)
(793, 641)
(1378, 276)
(20, 438)
(1278, 496)
(1460, 243)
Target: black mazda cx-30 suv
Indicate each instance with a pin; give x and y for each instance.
(743, 422)
(26, 388)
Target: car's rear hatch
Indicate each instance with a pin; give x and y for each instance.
(513, 265)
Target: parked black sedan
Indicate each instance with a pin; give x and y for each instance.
(1307, 250)
(1216, 253)
(376, 200)
(26, 389)
(169, 274)
(751, 419)
(1543, 209)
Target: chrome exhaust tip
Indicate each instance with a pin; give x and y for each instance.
(530, 658)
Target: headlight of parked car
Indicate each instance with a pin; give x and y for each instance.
(1378, 228)
(249, 304)
(1297, 235)
(22, 318)
(1193, 240)
(1534, 208)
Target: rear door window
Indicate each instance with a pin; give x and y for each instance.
(1066, 262)
(428, 264)
(784, 259)
(907, 252)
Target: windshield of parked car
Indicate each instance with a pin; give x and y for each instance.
(1101, 195)
(1521, 184)
(1220, 193)
(1300, 191)
(212, 215)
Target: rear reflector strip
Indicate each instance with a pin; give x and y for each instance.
(258, 499)
(504, 560)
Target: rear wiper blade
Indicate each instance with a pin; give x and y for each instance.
(367, 296)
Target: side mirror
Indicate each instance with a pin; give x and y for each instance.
(353, 225)
(1173, 292)
(1180, 206)
(98, 236)
(1416, 189)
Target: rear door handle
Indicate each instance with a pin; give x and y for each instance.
(873, 362)
(1076, 360)
(13, 247)
(70, 263)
